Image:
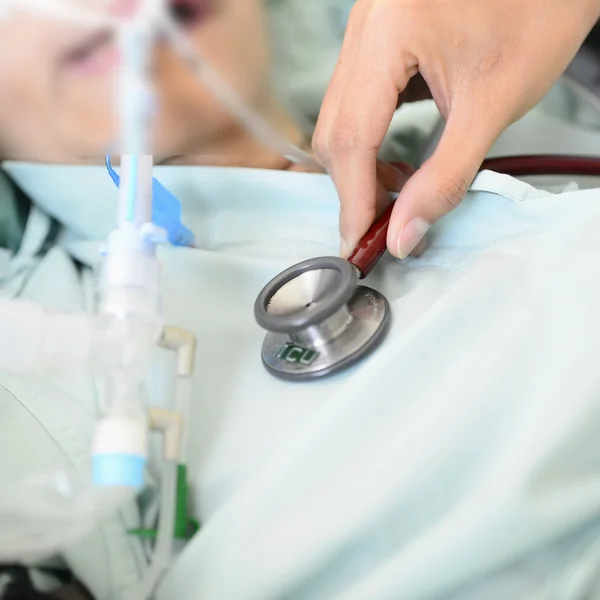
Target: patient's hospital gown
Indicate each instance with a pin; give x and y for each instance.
(461, 460)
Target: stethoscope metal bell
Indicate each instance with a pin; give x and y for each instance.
(319, 321)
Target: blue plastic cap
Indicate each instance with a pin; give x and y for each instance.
(119, 470)
(166, 210)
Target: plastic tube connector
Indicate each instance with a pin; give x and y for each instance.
(119, 453)
(184, 343)
(171, 424)
(130, 280)
(119, 470)
(166, 210)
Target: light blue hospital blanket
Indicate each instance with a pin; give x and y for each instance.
(465, 444)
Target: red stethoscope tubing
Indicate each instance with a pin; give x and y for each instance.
(373, 244)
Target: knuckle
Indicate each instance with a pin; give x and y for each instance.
(450, 193)
(320, 146)
(342, 138)
(357, 12)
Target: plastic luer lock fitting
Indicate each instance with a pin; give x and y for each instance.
(119, 451)
(119, 470)
(166, 210)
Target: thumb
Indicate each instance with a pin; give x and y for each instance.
(437, 187)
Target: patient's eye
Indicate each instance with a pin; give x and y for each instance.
(187, 12)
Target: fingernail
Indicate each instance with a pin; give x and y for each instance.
(410, 235)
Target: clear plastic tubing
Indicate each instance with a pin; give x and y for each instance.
(183, 397)
(164, 542)
(135, 190)
(135, 95)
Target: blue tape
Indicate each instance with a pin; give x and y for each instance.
(166, 210)
(119, 470)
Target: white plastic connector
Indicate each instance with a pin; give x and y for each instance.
(130, 282)
(119, 451)
(184, 343)
(121, 434)
(120, 441)
(171, 424)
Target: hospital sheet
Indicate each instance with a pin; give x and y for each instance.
(466, 442)
(463, 453)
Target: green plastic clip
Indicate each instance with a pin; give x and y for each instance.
(185, 526)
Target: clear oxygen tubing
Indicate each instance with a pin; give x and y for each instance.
(255, 124)
(183, 395)
(130, 288)
(163, 549)
(175, 421)
(250, 119)
(45, 514)
(175, 444)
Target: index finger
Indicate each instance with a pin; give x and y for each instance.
(365, 111)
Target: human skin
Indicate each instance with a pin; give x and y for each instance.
(58, 82)
(484, 63)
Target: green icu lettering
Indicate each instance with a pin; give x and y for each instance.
(297, 355)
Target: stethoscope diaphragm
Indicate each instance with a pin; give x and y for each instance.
(319, 321)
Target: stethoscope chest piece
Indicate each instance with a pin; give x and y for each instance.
(318, 320)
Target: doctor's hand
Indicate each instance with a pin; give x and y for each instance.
(485, 64)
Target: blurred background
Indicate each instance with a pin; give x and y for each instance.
(586, 67)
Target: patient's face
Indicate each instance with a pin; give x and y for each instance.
(57, 82)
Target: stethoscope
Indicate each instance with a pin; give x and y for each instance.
(320, 321)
